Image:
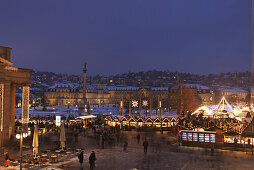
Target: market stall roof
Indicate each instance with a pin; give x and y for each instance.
(165, 119)
(213, 128)
(249, 130)
(248, 134)
(149, 119)
(231, 133)
(140, 119)
(87, 117)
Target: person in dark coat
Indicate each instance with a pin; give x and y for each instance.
(7, 159)
(81, 158)
(235, 142)
(145, 145)
(92, 159)
(102, 141)
(125, 145)
(138, 138)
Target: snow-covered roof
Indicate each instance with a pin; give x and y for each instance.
(121, 88)
(66, 85)
(197, 86)
(233, 90)
(19, 95)
(35, 89)
(159, 88)
(194, 86)
(104, 87)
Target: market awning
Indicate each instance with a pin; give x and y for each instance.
(87, 117)
(231, 133)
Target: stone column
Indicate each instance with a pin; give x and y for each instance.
(5, 107)
(129, 107)
(151, 107)
(140, 107)
(25, 108)
(12, 111)
(159, 107)
(121, 107)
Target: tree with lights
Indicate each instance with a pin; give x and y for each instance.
(184, 99)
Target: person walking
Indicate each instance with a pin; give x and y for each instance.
(102, 141)
(179, 140)
(145, 145)
(92, 159)
(138, 138)
(7, 159)
(125, 145)
(235, 142)
(81, 158)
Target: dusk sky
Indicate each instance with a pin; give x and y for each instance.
(117, 36)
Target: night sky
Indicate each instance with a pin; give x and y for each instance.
(116, 36)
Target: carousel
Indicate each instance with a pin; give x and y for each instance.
(224, 110)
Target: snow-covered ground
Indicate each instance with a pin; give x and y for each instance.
(73, 111)
(51, 111)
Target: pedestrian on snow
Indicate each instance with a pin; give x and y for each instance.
(92, 159)
(145, 145)
(235, 142)
(102, 141)
(81, 158)
(249, 142)
(212, 150)
(138, 138)
(7, 159)
(76, 136)
(179, 139)
(125, 145)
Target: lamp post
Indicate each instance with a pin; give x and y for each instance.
(21, 145)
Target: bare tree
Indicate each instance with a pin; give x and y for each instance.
(184, 99)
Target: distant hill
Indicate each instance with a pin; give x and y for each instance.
(148, 78)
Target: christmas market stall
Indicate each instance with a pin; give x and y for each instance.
(198, 138)
(149, 122)
(232, 138)
(124, 121)
(248, 134)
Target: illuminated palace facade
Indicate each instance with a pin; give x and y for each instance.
(69, 94)
(73, 94)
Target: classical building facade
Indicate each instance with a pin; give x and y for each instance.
(71, 94)
(205, 94)
(10, 77)
(235, 96)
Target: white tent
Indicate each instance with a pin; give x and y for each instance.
(87, 117)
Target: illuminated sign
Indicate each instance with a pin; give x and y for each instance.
(58, 120)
